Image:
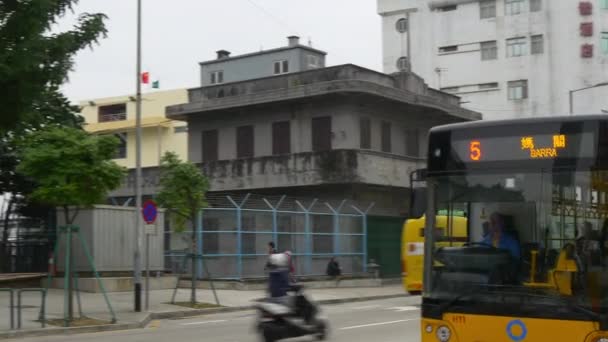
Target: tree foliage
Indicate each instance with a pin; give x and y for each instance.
(35, 60)
(182, 189)
(70, 167)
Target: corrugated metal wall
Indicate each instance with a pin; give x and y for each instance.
(110, 236)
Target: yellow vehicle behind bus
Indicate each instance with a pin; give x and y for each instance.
(412, 245)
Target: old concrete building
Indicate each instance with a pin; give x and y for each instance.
(336, 132)
(504, 58)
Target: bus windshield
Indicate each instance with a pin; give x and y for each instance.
(534, 240)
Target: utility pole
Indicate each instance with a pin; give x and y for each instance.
(138, 176)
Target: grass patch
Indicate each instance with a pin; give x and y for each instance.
(198, 305)
(77, 322)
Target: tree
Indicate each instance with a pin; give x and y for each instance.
(182, 192)
(34, 60)
(71, 169)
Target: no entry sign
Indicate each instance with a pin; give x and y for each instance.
(149, 212)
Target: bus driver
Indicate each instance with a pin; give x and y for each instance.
(498, 237)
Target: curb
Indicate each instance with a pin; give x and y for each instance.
(166, 315)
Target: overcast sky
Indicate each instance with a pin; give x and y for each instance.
(177, 34)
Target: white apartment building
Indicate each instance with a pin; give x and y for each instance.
(504, 58)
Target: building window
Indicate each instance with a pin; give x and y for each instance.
(448, 8)
(321, 133)
(412, 142)
(451, 90)
(116, 112)
(487, 9)
(587, 51)
(403, 64)
(281, 67)
(446, 49)
(401, 25)
(513, 7)
(489, 50)
(180, 129)
(366, 133)
(586, 29)
(518, 90)
(537, 45)
(210, 145)
(604, 43)
(487, 86)
(281, 138)
(211, 240)
(244, 142)
(217, 77)
(313, 61)
(604, 4)
(121, 150)
(386, 136)
(585, 8)
(536, 5)
(516, 47)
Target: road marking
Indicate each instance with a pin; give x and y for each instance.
(154, 324)
(366, 307)
(376, 324)
(404, 308)
(205, 322)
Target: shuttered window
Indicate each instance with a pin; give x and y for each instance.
(210, 146)
(244, 142)
(281, 138)
(321, 133)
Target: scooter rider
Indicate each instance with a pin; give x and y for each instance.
(278, 276)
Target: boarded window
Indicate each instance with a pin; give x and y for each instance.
(281, 138)
(536, 5)
(249, 239)
(244, 142)
(386, 136)
(116, 112)
(210, 146)
(412, 142)
(321, 133)
(537, 44)
(322, 239)
(211, 241)
(366, 133)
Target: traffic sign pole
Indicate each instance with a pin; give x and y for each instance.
(149, 213)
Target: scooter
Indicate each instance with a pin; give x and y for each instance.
(290, 316)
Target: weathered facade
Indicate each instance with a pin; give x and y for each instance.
(337, 132)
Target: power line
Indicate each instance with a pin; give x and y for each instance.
(274, 17)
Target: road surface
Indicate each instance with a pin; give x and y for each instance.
(391, 320)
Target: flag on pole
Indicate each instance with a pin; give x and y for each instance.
(145, 77)
(156, 84)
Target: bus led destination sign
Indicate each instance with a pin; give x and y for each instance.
(537, 152)
(525, 147)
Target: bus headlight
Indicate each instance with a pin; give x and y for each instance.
(443, 333)
(602, 339)
(428, 328)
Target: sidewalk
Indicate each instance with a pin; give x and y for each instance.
(94, 306)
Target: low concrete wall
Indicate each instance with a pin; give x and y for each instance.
(262, 285)
(117, 284)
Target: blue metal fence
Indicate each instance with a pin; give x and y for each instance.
(233, 240)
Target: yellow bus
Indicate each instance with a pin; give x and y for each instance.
(412, 245)
(534, 265)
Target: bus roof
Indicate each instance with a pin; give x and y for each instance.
(521, 121)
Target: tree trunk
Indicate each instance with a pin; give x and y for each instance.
(193, 266)
(7, 216)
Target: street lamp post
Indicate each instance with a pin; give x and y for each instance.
(138, 175)
(571, 94)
